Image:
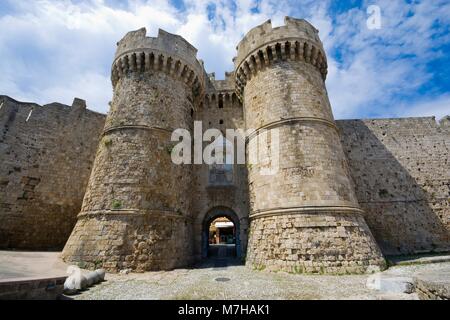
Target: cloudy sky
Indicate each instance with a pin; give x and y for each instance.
(56, 50)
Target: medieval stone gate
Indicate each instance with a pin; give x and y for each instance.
(213, 214)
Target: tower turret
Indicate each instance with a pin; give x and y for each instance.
(305, 217)
(136, 211)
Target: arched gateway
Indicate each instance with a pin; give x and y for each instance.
(212, 215)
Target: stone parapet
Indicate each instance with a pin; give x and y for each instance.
(264, 45)
(167, 53)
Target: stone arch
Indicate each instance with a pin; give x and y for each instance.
(210, 216)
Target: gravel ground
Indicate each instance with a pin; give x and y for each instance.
(200, 283)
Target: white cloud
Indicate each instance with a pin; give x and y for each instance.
(438, 107)
(55, 50)
(92, 87)
(379, 67)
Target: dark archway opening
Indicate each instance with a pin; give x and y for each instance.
(220, 234)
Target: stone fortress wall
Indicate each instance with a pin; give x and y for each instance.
(46, 156)
(142, 212)
(305, 217)
(401, 170)
(220, 110)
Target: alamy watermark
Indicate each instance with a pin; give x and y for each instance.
(374, 20)
(212, 147)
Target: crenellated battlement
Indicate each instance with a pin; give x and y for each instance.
(221, 90)
(165, 41)
(168, 53)
(221, 96)
(63, 110)
(264, 45)
(228, 84)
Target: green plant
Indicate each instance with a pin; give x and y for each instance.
(260, 267)
(298, 269)
(322, 270)
(116, 204)
(107, 142)
(98, 264)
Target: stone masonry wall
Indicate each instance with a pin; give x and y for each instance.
(221, 110)
(137, 203)
(304, 214)
(143, 212)
(314, 242)
(313, 170)
(46, 156)
(401, 172)
(136, 213)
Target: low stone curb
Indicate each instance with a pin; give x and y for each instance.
(419, 260)
(32, 288)
(429, 287)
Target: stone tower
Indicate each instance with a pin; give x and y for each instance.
(305, 217)
(136, 211)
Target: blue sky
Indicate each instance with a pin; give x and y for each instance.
(56, 50)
